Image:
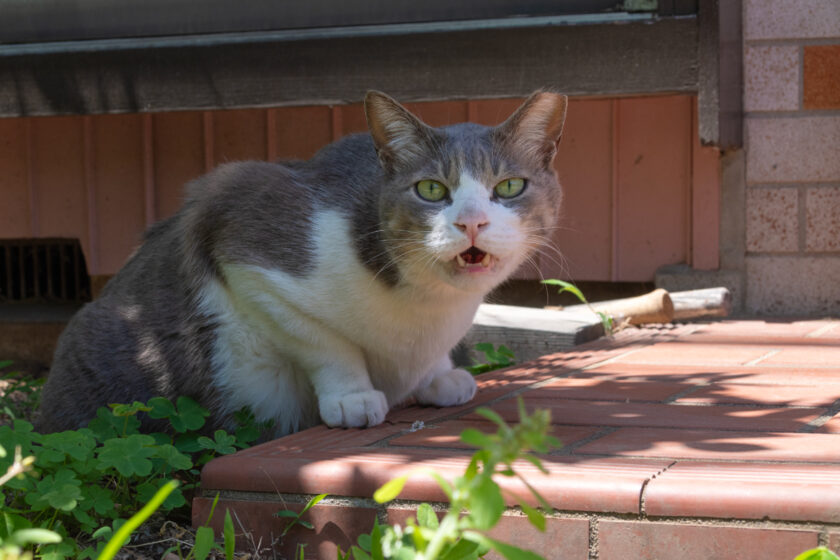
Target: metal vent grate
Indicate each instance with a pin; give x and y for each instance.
(43, 271)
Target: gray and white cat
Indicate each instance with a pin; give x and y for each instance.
(322, 290)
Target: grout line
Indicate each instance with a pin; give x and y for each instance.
(763, 357)
(645, 484)
(569, 449)
(594, 537)
(822, 419)
(828, 327)
(685, 392)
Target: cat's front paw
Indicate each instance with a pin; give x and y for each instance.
(356, 410)
(450, 388)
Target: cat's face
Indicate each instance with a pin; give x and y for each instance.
(466, 205)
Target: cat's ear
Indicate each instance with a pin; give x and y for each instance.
(535, 128)
(400, 138)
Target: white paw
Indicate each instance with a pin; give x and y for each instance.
(356, 410)
(450, 388)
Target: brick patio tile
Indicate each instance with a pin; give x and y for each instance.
(333, 525)
(806, 356)
(447, 434)
(610, 390)
(717, 445)
(742, 375)
(792, 492)
(604, 413)
(686, 353)
(761, 328)
(620, 540)
(784, 395)
(563, 539)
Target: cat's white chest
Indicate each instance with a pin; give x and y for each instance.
(277, 328)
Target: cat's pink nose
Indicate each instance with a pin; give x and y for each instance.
(472, 225)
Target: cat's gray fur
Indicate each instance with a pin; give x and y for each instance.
(158, 328)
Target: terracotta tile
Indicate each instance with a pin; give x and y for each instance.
(794, 492)
(822, 218)
(741, 375)
(696, 354)
(722, 445)
(771, 78)
(447, 434)
(807, 356)
(609, 390)
(821, 77)
(334, 525)
(655, 541)
(758, 328)
(564, 538)
(783, 395)
(794, 149)
(769, 281)
(603, 413)
(772, 220)
(782, 19)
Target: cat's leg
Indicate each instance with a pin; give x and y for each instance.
(345, 394)
(446, 385)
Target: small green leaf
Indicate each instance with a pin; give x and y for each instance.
(359, 554)
(462, 550)
(473, 437)
(203, 542)
(566, 287)
(129, 456)
(536, 518)
(314, 500)
(820, 553)
(493, 417)
(390, 490)
(129, 409)
(426, 516)
(24, 537)
(486, 502)
(5, 363)
(229, 536)
(285, 513)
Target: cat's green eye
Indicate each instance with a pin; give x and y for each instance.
(433, 191)
(510, 188)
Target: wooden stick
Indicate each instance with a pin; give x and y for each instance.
(694, 304)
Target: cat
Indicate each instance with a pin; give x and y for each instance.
(325, 290)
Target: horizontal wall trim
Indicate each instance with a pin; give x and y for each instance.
(647, 57)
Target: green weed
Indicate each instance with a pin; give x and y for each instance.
(606, 320)
(476, 503)
(496, 358)
(90, 482)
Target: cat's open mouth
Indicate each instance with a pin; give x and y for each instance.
(473, 258)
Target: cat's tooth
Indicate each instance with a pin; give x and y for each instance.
(485, 262)
(461, 261)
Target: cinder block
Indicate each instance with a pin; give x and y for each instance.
(792, 149)
(784, 19)
(771, 78)
(793, 286)
(822, 219)
(772, 220)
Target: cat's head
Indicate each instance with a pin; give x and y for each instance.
(466, 204)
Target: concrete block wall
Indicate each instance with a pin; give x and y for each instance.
(792, 146)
